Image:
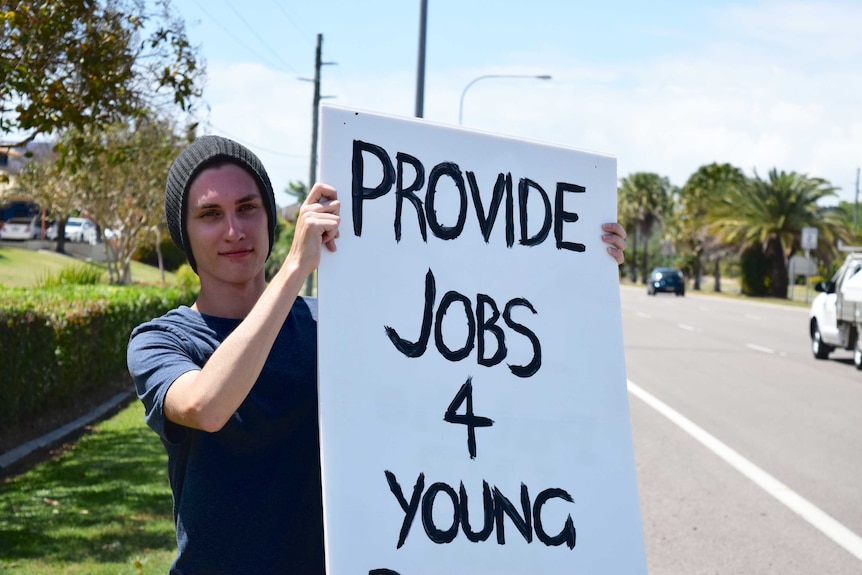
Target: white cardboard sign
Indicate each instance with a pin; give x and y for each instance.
(473, 407)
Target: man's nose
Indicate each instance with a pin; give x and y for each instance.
(234, 227)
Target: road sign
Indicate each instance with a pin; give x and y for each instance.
(809, 238)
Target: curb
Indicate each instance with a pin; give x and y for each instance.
(13, 456)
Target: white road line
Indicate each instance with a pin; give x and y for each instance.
(818, 519)
(687, 327)
(756, 347)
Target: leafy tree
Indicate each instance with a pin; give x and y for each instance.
(851, 213)
(45, 183)
(122, 185)
(281, 247)
(770, 213)
(627, 217)
(85, 64)
(297, 189)
(644, 199)
(703, 190)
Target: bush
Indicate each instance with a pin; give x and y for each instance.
(754, 272)
(186, 278)
(172, 256)
(281, 246)
(80, 274)
(60, 343)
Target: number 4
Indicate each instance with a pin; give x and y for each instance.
(468, 419)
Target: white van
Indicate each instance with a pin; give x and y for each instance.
(81, 230)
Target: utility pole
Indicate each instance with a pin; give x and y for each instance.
(315, 113)
(420, 67)
(315, 120)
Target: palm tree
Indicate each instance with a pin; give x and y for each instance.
(770, 213)
(644, 199)
(627, 217)
(703, 190)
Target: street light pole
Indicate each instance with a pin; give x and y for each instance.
(420, 66)
(486, 76)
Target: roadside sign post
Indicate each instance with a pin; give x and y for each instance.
(809, 242)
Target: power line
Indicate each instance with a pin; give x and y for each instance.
(224, 28)
(293, 22)
(254, 146)
(259, 38)
(233, 36)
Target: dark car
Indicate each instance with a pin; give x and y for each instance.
(668, 280)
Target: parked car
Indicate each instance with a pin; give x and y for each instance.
(80, 230)
(668, 280)
(835, 318)
(20, 229)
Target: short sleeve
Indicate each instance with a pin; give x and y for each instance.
(157, 355)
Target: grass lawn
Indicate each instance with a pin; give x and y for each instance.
(102, 507)
(24, 268)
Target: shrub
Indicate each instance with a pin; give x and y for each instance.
(172, 256)
(754, 276)
(59, 343)
(79, 274)
(186, 278)
(281, 246)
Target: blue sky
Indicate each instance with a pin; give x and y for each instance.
(665, 86)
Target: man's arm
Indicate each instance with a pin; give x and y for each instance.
(206, 399)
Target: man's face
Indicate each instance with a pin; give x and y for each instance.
(227, 225)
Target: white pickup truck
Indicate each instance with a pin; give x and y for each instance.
(836, 312)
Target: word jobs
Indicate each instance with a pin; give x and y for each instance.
(479, 323)
(393, 175)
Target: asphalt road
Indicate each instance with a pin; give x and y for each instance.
(748, 450)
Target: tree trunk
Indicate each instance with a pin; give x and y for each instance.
(61, 236)
(645, 260)
(778, 279)
(159, 253)
(696, 266)
(634, 260)
(126, 274)
(717, 275)
(113, 277)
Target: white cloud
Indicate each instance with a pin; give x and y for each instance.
(779, 86)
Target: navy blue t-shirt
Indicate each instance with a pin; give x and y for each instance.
(247, 499)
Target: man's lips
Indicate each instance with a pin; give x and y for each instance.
(235, 253)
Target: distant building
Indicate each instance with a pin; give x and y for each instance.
(11, 162)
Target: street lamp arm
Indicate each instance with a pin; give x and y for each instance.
(485, 77)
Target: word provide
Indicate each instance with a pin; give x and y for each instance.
(393, 175)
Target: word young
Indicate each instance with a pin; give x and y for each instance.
(496, 507)
(478, 326)
(427, 215)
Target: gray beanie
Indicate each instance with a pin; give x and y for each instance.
(205, 152)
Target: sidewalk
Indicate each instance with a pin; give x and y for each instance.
(16, 455)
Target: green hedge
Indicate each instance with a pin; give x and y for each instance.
(60, 343)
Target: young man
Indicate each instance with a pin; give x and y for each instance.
(229, 384)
